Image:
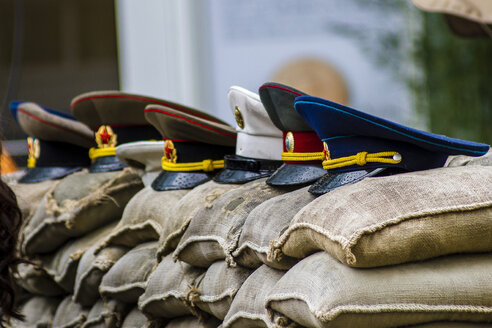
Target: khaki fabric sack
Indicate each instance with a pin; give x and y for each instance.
(248, 307)
(180, 214)
(265, 223)
(31, 222)
(214, 231)
(217, 287)
(192, 322)
(62, 265)
(90, 271)
(135, 319)
(70, 314)
(29, 195)
(38, 312)
(168, 290)
(144, 217)
(13, 177)
(126, 280)
(462, 160)
(397, 219)
(319, 291)
(35, 279)
(105, 315)
(79, 203)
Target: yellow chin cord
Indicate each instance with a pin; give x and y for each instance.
(31, 162)
(362, 158)
(207, 165)
(302, 157)
(101, 152)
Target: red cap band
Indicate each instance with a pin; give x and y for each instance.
(302, 142)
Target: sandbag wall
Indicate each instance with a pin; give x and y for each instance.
(408, 249)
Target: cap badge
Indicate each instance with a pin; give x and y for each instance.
(34, 150)
(326, 151)
(239, 117)
(170, 153)
(105, 137)
(289, 142)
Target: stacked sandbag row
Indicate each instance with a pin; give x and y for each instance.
(65, 222)
(395, 251)
(201, 225)
(163, 245)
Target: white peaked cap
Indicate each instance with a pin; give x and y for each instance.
(257, 136)
(145, 155)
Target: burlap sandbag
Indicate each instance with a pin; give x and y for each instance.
(265, 223)
(90, 271)
(13, 177)
(144, 217)
(126, 280)
(397, 219)
(168, 290)
(462, 160)
(106, 315)
(248, 307)
(180, 214)
(30, 223)
(62, 265)
(135, 318)
(38, 312)
(70, 314)
(319, 291)
(192, 322)
(29, 195)
(217, 287)
(35, 279)
(80, 203)
(214, 231)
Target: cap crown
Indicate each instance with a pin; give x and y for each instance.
(278, 100)
(475, 10)
(258, 137)
(177, 125)
(51, 125)
(255, 119)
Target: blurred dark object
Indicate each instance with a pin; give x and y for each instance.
(454, 90)
(468, 29)
(466, 18)
(7, 164)
(66, 47)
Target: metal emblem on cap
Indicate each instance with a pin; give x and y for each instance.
(239, 117)
(105, 137)
(326, 151)
(34, 150)
(289, 142)
(170, 153)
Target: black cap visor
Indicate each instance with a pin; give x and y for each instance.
(169, 180)
(106, 164)
(296, 175)
(39, 174)
(240, 176)
(331, 181)
(240, 169)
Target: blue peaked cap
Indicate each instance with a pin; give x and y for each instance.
(347, 132)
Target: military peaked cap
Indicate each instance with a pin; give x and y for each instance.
(357, 145)
(57, 143)
(195, 145)
(116, 118)
(259, 141)
(302, 150)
